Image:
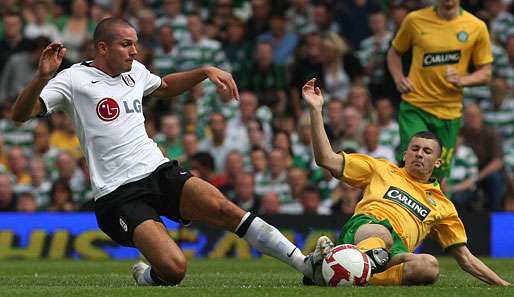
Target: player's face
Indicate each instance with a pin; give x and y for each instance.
(421, 157)
(448, 3)
(122, 50)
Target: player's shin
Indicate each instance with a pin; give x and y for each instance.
(269, 241)
(375, 248)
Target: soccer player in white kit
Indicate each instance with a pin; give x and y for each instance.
(133, 183)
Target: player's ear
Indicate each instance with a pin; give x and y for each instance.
(438, 163)
(101, 47)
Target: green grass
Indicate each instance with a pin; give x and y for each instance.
(264, 277)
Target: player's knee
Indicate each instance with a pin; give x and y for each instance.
(174, 270)
(425, 270)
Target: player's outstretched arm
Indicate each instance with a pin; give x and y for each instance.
(27, 104)
(472, 265)
(176, 83)
(323, 153)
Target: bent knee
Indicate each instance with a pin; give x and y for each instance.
(424, 270)
(173, 270)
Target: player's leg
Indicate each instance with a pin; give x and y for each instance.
(411, 120)
(200, 201)
(168, 263)
(409, 269)
(447, 131)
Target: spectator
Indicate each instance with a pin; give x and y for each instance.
(256, 135)
(499, 111)
(274, 179)
(220, 15)
(353, 20)
(282, 140)
(501, 21)
(218, 145)
(172, 16)
(61, 197)
(297, 181)
(372, 52)
(237, 49)
(7, 201)
(266, 79)
(75, 29)
(373, 148)
(359, 97)
(307, 65)
(17, 162)
(311, 202)
(259, 160)
(165, 54)
(283, 42)
(26, 203)
(258, 22)
(3, 155)
(244, 193)
(346, 198)
(40, 184)
(19, 69)
(41, 147)
(353, 128)
(69, 172)
(270, 204)
(299, 17)
(324, 20)
(190, 147)
(237, 128)
(13, 40)
(234, 166)
(202, 166)
(170, 138)
(389, 129)
(41, 26)
(340, 67)
(461, 185)
(63, 136)
(302, 144)
(335, 123)
(490, 156)
(147, 29)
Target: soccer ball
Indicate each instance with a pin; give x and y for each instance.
(346, 265)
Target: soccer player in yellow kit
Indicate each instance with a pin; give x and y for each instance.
(444, 40)
(399, 208)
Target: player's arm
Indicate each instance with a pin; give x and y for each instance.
(481, 76)
(394, 62)
(27, 104)
(474, 266)
(176, 83)
(323, 153)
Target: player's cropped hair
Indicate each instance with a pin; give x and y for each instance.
(104, 30)
(430, 135)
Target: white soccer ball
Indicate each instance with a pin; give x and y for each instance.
(346, 265)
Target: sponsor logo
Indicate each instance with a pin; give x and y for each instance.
(462, 36)
(107, 109)
(94, 81)
(407, 201)
(128, 80)
(291, 253)
(441, 58)
(123, 225)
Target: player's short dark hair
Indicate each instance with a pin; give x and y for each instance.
(104, 31)
(430, 135)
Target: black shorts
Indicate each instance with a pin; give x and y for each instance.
(121, 211)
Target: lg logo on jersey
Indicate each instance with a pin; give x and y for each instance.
(108, 109)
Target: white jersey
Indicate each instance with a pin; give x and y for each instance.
(108, 116)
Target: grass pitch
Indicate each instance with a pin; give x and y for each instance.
(261, 277)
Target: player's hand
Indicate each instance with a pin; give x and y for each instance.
(312, 94)
(225, 84)
(50, 60)
(404, 85)
(453, 77)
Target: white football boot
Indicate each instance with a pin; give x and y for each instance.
(138, 270)
(315, 259)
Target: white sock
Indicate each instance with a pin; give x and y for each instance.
(269, 241)
(145, 278)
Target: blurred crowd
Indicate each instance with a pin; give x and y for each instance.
(256, 150)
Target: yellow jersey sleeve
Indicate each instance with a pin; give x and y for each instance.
(482, 52)
(449, 231)
(358, 169)
(403, 39)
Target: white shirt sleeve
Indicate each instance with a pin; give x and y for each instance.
(152, 82)
(57, 93)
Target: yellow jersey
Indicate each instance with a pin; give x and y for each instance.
(415, 210)
(436, 44)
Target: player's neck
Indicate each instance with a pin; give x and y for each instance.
(98, 64)
(447, 13)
